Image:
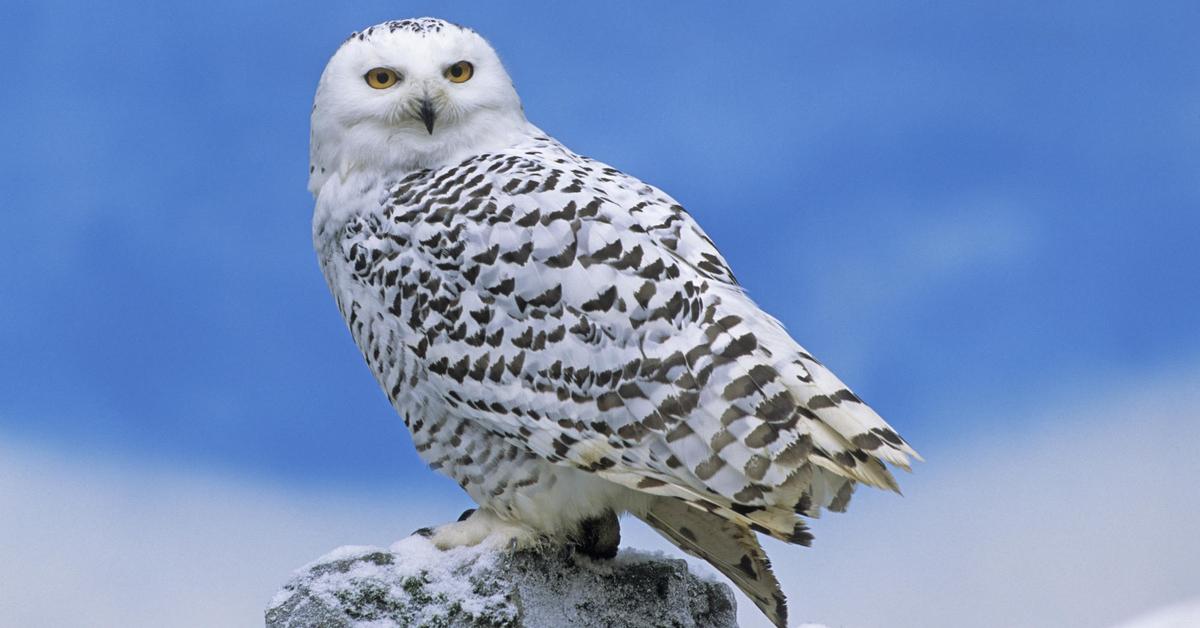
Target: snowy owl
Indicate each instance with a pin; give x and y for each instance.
(562, 339)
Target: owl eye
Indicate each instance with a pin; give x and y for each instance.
(460, 72)
(381, 78)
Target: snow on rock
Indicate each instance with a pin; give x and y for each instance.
(415, 584)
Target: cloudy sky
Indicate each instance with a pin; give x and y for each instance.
(986, 219)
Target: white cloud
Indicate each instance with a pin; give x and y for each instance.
(1087, 519)
(91, 542)
(1183, 615)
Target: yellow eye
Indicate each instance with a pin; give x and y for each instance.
(460, 72)
(382, 78)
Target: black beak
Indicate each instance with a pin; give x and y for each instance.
(428, 116)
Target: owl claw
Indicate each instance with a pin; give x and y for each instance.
(527, 541)
(466, 513)
(425, 532)
(477, 526)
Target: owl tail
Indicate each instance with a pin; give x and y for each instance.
(730, 547)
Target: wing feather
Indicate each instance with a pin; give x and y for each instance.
(584, 315)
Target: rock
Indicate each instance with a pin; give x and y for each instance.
(415, 584)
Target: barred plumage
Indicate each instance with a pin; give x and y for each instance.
(562, 339)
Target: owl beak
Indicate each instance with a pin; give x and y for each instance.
(428, 115)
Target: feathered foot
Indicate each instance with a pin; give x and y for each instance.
(481, 526)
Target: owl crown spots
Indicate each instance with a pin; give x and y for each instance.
(416, 26)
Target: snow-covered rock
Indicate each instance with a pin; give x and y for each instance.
(414, 584)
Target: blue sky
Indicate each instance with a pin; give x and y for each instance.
(973, 212)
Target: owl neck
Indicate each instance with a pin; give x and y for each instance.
(372, 148)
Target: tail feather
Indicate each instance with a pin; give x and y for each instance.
(827, 490)
(730, 547)
(783, 524)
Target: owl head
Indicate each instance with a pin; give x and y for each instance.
(410, 94)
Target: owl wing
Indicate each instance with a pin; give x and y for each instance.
(585, 315)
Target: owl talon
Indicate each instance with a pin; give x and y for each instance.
(425, 532)
(466, 513)
(481, 526)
